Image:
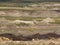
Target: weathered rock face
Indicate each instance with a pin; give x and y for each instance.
(18, 13)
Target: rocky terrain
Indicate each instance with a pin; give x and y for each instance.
(19, 13)
(29, 22)
(23, 21)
